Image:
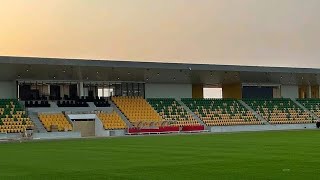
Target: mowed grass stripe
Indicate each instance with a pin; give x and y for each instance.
(253, 155)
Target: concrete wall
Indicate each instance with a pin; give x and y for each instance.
(315, 91)
(288, 91)
(168, 90)
(276, 92)
(262, 127)
(57, 135)
(232, 91)
(69, 109)
(101, 132)
(197, 91)
(86, 128)
(303, 91)
(8, 89)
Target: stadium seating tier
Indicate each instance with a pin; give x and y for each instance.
(312, 104)
(172, 111)
(111, 120)
(137, 110)
(56, 119)
(13, 117)
(280, 111)
(221, 112)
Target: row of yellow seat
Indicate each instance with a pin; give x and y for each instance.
(57, 120)
(280, 111)
(220, 112)
(13, 117)
(228, 123)
(27, 122)
(136, 109)
(111, 120)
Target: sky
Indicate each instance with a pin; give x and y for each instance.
(243, 32)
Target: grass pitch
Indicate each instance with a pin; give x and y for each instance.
(259, 155)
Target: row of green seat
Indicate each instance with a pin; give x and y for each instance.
(169, 109)
(13, 116)
(280, 111)
(221, 111)
(312, 105)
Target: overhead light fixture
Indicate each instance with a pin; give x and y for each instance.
(118, 78)
(54, 77)
(158, 74)
(64, 71)
(19, 76)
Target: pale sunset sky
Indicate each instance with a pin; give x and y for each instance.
(249, 32)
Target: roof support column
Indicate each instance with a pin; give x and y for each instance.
(49, 90)
(315, 91)
(309, 91)
(81, 91)
(303, 92)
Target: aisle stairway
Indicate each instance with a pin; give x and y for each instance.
(38, 125)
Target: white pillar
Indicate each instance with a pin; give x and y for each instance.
(81, 89)
(309, 91)
(62, 91)
(49, 89)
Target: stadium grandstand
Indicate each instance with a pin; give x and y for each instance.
(48, 98)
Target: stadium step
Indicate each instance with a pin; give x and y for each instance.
(91, 104)
(53, 104)
(258, 116)
(305, 109)
(34, 117)
(68, 118)
(190, 112)
(117, 110)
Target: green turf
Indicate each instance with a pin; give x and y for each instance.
(260, 155)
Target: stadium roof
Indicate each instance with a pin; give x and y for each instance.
(33, 68)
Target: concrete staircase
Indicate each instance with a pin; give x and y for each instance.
(191, 113)
(117, 110)
(38, 125)
(53, 104)
(258, 116)
(305, 109)
(68, 119)
(91, 104)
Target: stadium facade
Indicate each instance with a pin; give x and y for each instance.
(77, 97)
